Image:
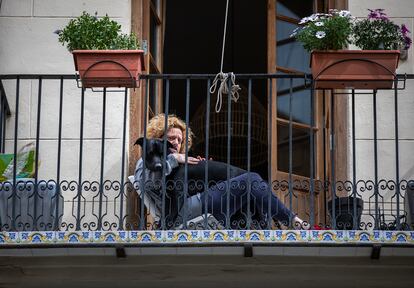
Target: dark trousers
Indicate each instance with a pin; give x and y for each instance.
(261, 197)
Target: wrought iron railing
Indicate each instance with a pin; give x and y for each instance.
(280, 129)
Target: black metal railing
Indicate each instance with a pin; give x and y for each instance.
(291, 135)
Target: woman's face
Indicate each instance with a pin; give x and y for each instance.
(175, 137)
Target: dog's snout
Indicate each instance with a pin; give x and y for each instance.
(158, 166)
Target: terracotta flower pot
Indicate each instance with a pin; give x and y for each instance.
(109, 68)
(357, 69)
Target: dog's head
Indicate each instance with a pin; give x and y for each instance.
(154, 154)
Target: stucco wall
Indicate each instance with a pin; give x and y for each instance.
(400, 11)
(29, 46)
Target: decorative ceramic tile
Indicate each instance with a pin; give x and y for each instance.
(133, 236)
(9, 238)
(206, 235)
(232, 235)
(75, 237)
(196, 236)
(180, 236)
(376, 236)
(222, 236)
(352, 236)
(336, 237)
(365, 236)
(37, 237)
(257, 235)
(145, 237)
(110, 237)
(315, 235)
(184, 236)
(254, 236)
(242, 236)
(278, 235)
(399, 237)
(268, 235)
(291, 236)
(328, 236)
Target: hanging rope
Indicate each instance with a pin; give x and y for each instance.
(222, 77)
(224, 88)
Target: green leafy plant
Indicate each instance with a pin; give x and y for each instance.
(25, 163)
(88, 32)
(325, 31)
(377, 31)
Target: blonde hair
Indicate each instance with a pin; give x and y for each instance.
(155, 128)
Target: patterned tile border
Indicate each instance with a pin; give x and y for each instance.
(336, 237)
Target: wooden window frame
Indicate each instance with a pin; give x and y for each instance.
(340, 116)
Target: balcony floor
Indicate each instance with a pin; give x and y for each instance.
(204, 266)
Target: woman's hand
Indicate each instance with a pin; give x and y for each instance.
(203, 159)
(181, 159)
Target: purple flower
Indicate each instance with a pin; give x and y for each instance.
(407, 42)
(404, 29)
(377, 14)
(373, 14)
(58, 32)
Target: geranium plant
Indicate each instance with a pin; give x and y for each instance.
(88, 32)
(103, 56)
(378, 32)
(325, 31)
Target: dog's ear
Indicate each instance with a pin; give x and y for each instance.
(140, 141)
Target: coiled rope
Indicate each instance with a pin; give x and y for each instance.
(224, 80)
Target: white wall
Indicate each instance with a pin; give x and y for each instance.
(400, 11)
(29, 46)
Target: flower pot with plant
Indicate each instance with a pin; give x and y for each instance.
(103, 56)
(326, 35)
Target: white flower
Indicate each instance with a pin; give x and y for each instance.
(304, 20)
(314, 17)
(344, 13)
(295, 32)
(319, 23)
(320, 34)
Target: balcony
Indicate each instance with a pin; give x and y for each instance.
(337, 159)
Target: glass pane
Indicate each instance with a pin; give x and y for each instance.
(301, 101)
(153, 96)
(292, 55)
(295, 8)
(156, 4)
(300, 150)
(154, 38)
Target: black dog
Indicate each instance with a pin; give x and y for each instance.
(154, 152)
(217, 171)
